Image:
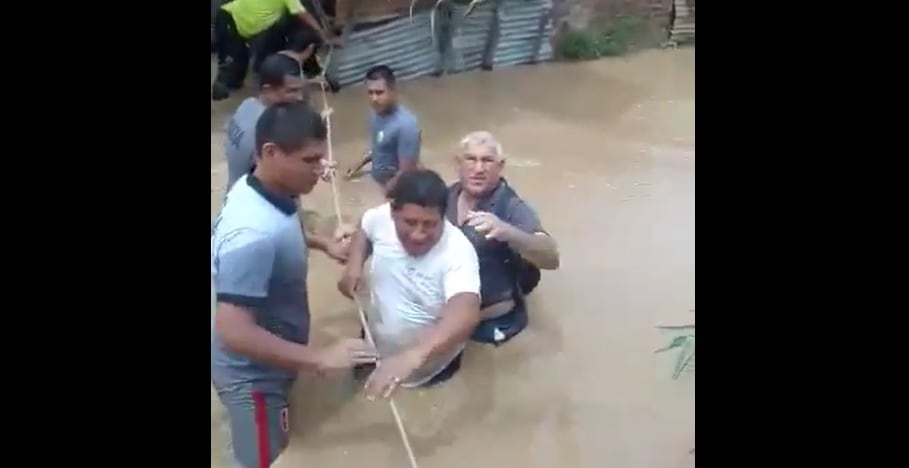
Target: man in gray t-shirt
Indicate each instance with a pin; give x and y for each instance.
(259, 268)
(279, 81)
(394, 131)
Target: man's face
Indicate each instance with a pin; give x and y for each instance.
(291, 91)
(479, 168)
(300, 170)
(418, 228)
(381, 97)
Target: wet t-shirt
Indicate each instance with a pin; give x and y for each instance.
(394, 136)
(259, 262)
(408, 294)
(240, 144)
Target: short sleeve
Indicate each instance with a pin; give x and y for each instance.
(409, 141)
(294, 7)
(370, 221)
(243, 267)
(462, 274)
(523, 216)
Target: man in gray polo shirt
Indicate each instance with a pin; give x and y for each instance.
(259, 269)
(279, 81)
(394, 131)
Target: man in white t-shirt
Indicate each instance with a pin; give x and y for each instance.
(424, 284)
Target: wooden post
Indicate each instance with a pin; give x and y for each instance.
(545, 18)
(492, 37)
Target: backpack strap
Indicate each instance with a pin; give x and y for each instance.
(498, 205)
(501, 197)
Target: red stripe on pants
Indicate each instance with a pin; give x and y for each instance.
(262, 428)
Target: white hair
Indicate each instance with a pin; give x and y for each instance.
(484, 139)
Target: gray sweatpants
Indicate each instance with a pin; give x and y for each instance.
(258, 420)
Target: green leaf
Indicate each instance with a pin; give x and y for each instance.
(676, 327)
(676, 342)
(683, 359)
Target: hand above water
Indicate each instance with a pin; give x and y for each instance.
(345, 232)
(350, 280)
(490, 225)
(338, 250)
(328, 170)
(390, 372)
(343, 355)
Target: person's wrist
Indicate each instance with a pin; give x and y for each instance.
(510, 232)
(311, 360)
(351, 277)
(352, 269)
(320, 243)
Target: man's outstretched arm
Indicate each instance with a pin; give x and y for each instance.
(528, 237)
(460, 316)
(295, 7)
(244, 266)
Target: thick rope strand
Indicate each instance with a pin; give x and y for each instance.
(334, 192)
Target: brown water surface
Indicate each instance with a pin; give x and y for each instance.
(605, 152)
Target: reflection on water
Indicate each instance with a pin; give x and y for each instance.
(605, 152)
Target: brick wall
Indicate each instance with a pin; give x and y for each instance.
(582, 14)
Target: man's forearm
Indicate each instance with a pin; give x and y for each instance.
(316, 241)
(360, 248)
(538, 249)
(246, 338)
(456, 326)
(310, 21)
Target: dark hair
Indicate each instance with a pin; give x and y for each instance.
(421, 187)
(381, 72)
(290, 126)
(302, 39)
(275, 68)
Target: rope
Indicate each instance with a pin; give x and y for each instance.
(334, 192)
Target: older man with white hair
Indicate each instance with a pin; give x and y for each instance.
(511, 244)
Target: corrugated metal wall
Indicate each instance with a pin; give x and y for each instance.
(523, 26)
(470, 35)
(683, 26)
(496, 33)
(406, 45)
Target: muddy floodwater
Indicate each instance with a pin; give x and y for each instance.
(605, 152)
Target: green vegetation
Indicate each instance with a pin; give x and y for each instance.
(684, 342)
(616, 39)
